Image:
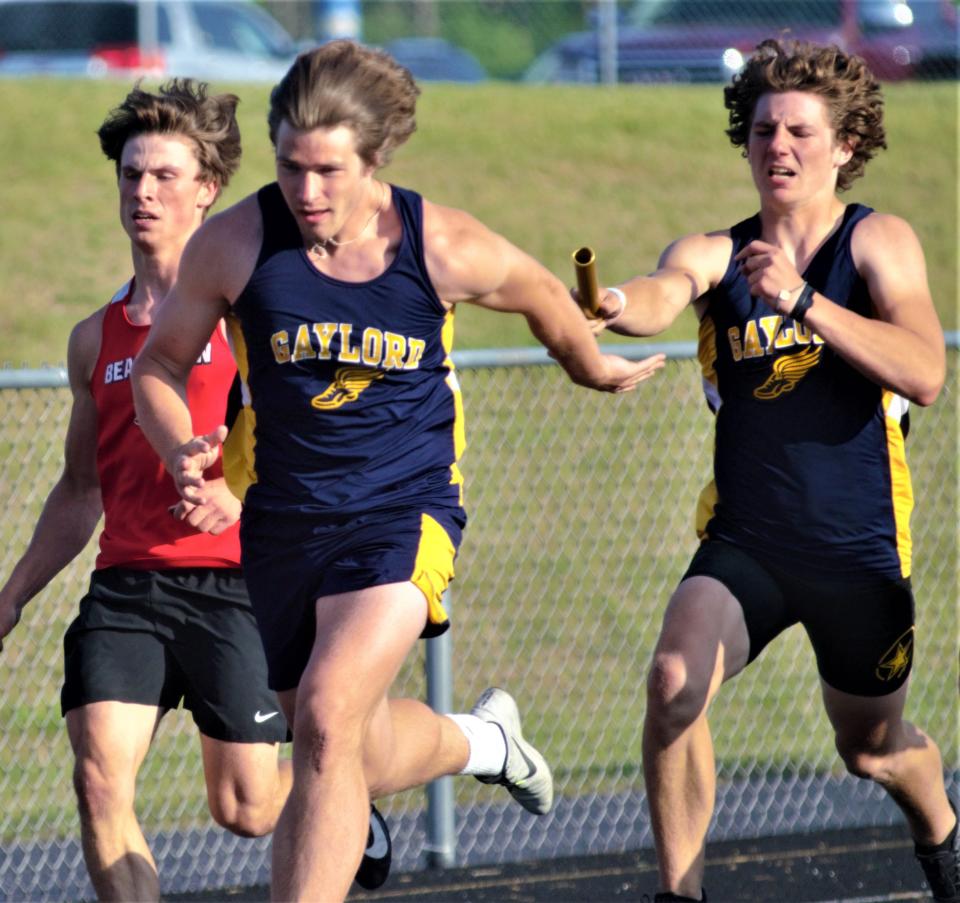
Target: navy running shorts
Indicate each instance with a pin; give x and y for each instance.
(172, 635)
(862, 633)
(291, 560)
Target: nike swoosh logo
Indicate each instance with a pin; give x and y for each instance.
(379, 846)
(261, 718)
(531, 768)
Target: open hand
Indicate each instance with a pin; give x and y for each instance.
(192, 459)
(624, 375)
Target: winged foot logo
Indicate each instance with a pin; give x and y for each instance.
(787, 372)
(348, 383)
(896, 660)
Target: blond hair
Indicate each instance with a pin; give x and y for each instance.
(345, 83)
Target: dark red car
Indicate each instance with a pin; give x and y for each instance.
(707, 40)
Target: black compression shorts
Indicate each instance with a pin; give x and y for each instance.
(862, 632)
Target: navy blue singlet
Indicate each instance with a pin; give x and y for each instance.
(809, 463)
(355, 402)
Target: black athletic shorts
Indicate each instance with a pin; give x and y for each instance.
(166, 636)
(862, 632)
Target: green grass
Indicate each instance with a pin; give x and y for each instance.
(624, 170)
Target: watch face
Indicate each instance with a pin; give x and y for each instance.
(785, 294)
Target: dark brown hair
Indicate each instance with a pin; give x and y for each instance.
(180, 107)
(345, 83)
(848, 87)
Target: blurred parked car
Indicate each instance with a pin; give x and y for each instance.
(437, 60)
(225, 40)
(707, 40)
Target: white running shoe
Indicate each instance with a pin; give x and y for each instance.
(526, 774)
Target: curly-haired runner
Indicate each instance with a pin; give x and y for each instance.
(342, 290)
(816, 331)
(850, 94)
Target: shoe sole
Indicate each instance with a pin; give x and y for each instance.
(375, 865)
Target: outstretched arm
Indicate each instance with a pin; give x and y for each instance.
(468, 262)
(901, 348)
(688, 268)
(73, 507)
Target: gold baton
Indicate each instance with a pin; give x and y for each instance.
(585, 265)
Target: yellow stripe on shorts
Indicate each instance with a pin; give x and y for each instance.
(433, 571)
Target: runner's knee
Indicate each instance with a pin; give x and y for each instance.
(324, 734)
(866, 756)
(100, 795)
(243, 817)
(676, 693)
(862, 764)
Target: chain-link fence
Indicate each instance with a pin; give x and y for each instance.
(636, 40)
(581, 509)
(467, 40)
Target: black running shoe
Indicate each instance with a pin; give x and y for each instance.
(667, 897)
(942, 869)
(375, 865)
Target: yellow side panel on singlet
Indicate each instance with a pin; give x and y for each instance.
(459, 429)
(707, 353)
(901, 487)
(238, 449)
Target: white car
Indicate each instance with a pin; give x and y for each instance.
(223, 40)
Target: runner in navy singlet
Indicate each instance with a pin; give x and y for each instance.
(340, 289)
(817, 331)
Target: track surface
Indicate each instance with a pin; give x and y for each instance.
(865, 865)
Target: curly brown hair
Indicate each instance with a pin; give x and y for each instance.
(847, 86)
(181, 107)
(345, 83)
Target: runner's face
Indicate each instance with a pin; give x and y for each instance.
(793, 152)
(162, 200)
(322, 177)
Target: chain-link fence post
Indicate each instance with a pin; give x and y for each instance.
(607, 36)
(441, 825)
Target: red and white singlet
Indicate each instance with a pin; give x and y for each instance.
(139, 531)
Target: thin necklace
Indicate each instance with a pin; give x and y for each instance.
(320, 247)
